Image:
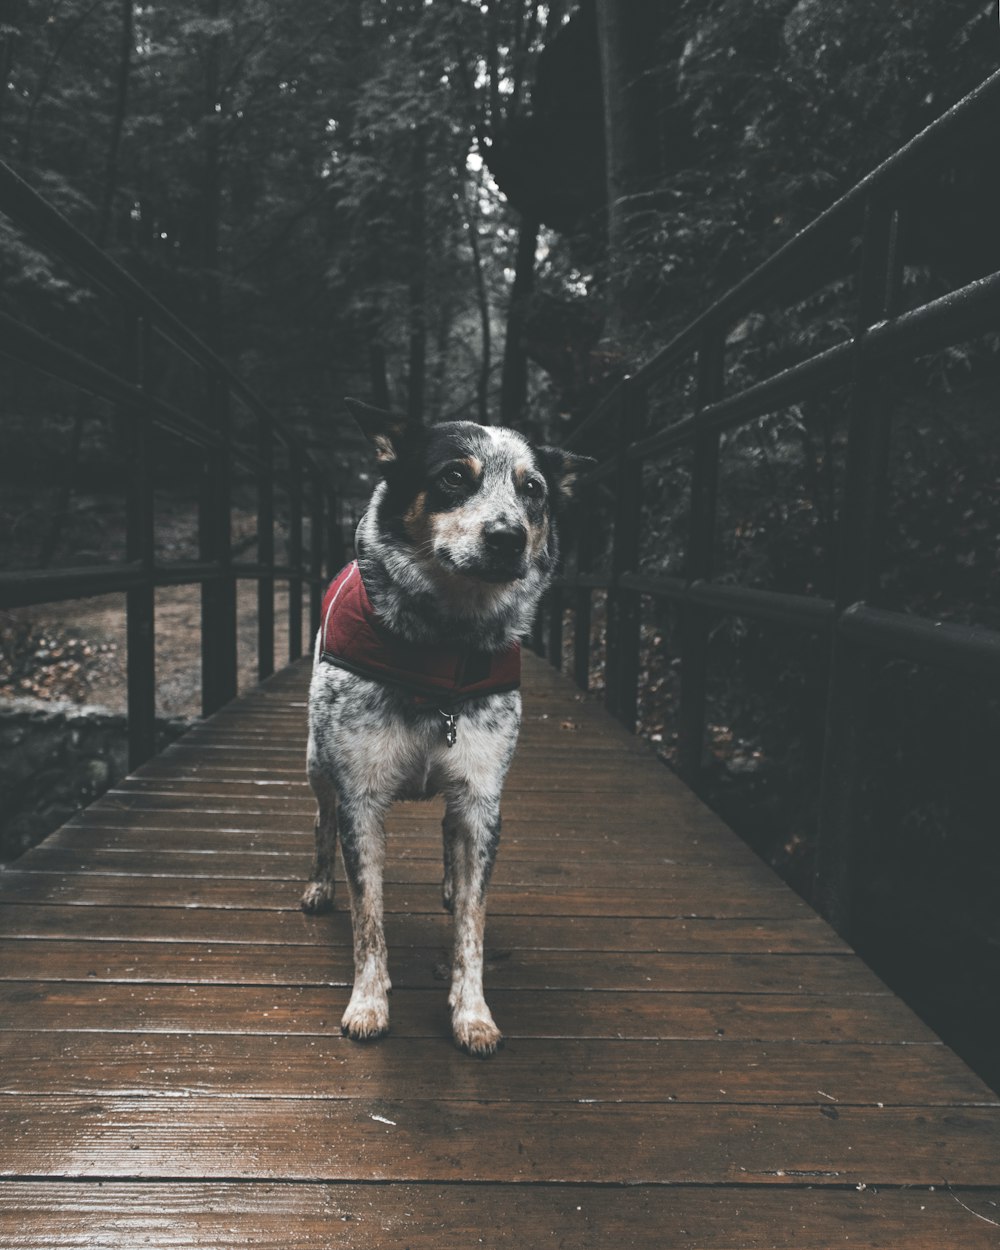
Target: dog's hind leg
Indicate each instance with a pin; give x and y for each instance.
(362, 841)
(318, 894)
(472, 834)
(448, 882)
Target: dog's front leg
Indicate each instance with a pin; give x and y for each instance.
(362, 843)
(472, 834)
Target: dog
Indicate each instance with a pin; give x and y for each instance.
(414, 686)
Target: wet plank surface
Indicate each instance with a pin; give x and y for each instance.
(693, 1058)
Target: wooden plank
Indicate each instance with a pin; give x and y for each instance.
(171, 1013)
(619, 1015)
(695, 896)
(268, 864)
(215, 1216)
(682, 1071)
(314, 1139)
(805, 934)
(226, 831)
(422, 967)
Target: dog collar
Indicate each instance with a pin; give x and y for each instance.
(354, 638)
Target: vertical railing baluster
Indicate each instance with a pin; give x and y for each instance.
(537, 639)
(335, 551)
(265, 549)
(582, 602)
(294, 554)
(140, 548)
(841, 814)
(699, 562)
(218, 591)
(555, 631)
(622, 649)
(316, 535)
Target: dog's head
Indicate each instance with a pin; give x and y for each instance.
(471, 501)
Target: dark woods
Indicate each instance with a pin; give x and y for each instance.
(495, 210)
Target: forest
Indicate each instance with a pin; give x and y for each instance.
(495, 210)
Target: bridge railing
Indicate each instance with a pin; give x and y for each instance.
(259, 445)
(852, 624)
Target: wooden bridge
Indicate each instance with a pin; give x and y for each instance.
(693, 1058)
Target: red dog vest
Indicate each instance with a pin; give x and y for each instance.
(354, 638)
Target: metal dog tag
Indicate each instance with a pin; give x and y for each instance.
(450, 726)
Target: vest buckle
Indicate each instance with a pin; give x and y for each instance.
(450, 726)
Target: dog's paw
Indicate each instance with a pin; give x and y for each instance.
(366, 1018)
(447, 895)
(476, 1035)
(317, 898)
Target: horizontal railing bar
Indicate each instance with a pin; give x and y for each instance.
(931, 326)
(766, 605)
(779, 608)
(940, 323)
(783, 388)
(971, 649)
(597, 474)
(660, 587)
(902, 165)
(252, 572)
(24, 206)
(583, 581)
(25, 588)
(35, 349)
(28, 587)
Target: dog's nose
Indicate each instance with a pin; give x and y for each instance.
(506, 542)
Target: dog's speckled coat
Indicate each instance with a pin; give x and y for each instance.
(457, 545)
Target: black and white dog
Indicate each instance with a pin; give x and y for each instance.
(414, 688)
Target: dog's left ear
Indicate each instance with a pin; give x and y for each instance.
(561, 469)
(385, 429)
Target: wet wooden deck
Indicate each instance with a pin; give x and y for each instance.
(693, 1058)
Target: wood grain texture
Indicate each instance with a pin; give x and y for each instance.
(266, 1216)
(693, 1058)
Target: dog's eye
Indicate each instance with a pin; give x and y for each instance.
(533, 488)
(453, 477)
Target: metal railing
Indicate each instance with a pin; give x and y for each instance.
(147, 327)
(852, 624)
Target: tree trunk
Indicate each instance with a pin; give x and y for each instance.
(418, 282)
(118, 123)
(482, 298)
(378, 372)
(514, 379)
(211, 193)
(628, 39)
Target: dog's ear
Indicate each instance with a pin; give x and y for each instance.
(561, 469)
(386, 430)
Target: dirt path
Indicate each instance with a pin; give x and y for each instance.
(77, 650)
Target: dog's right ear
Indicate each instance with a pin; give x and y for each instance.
(386, 430)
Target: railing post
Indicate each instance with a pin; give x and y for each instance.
(265, 550)
(699, 562)
(858, 566)
(582, 605)
(555, 639)
(622, 657)
(316, 535)
(537, 639)
(141, 600)
(335, 551)
(294, 555)
(218, 591)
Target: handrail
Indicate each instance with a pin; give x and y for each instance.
(852, 625)
(46, 225)
(209, 429)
